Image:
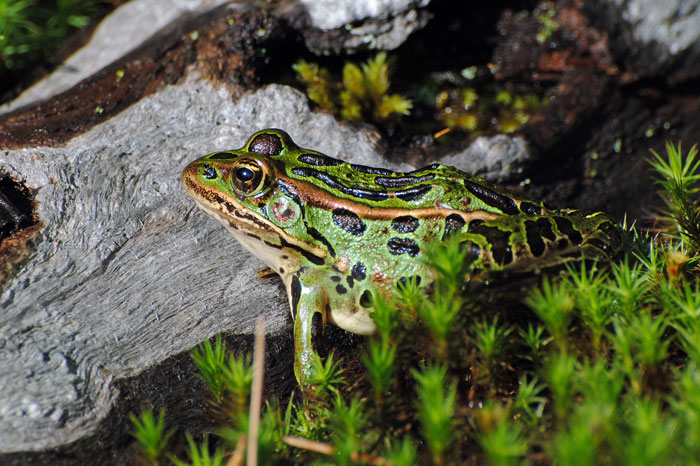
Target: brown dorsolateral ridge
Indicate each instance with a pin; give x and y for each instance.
(222, 44)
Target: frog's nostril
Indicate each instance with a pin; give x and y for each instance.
(209, 171)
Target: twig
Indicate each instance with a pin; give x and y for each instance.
(329, 450)
(236, 458)
(256, 392)
(310, 445)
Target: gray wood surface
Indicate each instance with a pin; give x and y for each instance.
(127, 271)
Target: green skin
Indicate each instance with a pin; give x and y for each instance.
(338, 233)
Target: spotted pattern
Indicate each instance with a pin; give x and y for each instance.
(398, 246)
(413, 194)
(295, 292)
(535, 233)
(453, 223)
(349, 221)
(402, 181)
(497, 238)
(317, 335)
(530, 208)
(491, 198)
(366, 299)
(332, 182)
(359, 271)
(405, 224)
(371, 170)
(567, 228)
(319, 160)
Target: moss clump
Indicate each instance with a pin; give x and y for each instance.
(360, 95)
(493, 109)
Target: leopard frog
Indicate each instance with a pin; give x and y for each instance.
(338, 232)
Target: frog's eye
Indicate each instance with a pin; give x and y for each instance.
(248, 177)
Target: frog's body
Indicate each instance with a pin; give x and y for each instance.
(337, 233)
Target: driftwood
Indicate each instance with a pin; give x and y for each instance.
(118, 274)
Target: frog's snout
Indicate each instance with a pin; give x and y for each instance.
(188, 178)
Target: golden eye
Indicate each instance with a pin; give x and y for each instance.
(248, 177)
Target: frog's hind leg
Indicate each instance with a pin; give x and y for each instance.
(538, 242)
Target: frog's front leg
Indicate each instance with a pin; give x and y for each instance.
(308, 302)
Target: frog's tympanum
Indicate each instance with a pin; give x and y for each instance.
(337, 232)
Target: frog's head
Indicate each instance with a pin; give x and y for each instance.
(244, 189)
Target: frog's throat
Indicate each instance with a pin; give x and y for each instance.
(262, 239)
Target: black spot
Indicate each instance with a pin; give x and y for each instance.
(333, 182)
(566, 227)
(269, 144)
(499, 241)
(413, 194)
(402, 181)
(562, 244)
(209, 171)
(349, 221)
(492, 198)
(546, 229)
(221, 156)
(335, 278)
(359, 271)
(398, 246)
(453, 223)
(281, 270)
(350, 280)
(530, 208)
(474, 223)
(295, 289)
(319, 160)
(371, 170)
(366, 299)
(405, 224)
(315, 234)
(533, 235)
(317, 335)
(341, 289)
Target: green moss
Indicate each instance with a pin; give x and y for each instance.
(360, 95)
(489, 110)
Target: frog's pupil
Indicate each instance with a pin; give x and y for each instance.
(245, 174)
